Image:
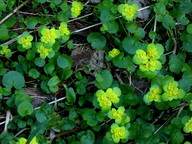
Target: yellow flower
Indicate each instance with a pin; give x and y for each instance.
(104, 101)
(154, 51)
(129, 12)
(151, 65)
(49, 35)
(117, 114)
(140, 57)
(44, 52)
(153, 94)
(76, 8)
(188, 126)
(6, 51)
(23, 140)
(25, 40)
(114, 52)
(104, 28)
(118, 133)
(64, 29)
(113, 94)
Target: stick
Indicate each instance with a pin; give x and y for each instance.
(15, 10)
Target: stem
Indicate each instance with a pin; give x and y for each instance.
(155, 27)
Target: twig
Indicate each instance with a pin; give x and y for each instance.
(175, 46)
(180, 110)
(8, 118)
(156, 119)
(64, 133)
(148, 22)
(15, 10)
(91, 26)
(119, 78)
(79, 17)
(155, 27)
(163, 124)
(106, 122)
(57, 100)
(34, 14)
(21, 131)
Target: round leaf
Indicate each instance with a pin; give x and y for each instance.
(25, 108)
(64, 61)
(97, 40)
(103, 80)
(13, 79)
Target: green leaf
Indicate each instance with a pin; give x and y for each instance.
(39, 127)
(44, 87)
(64, 61)
(139, 33)
(10, 3)
(131, 27)
(103, 80)
(7, 138)
(67, 124)
(31, 22)
(34, 73)
(176, 63)
(45, 112)
(112, 27)
(22, 98)
(106, 15)
(2, 5)
(168, 22)
(88, 138)
(13, 79)
(41, 1)
(25, 108)
(189, 28)
(130, 44)
(4, 33)
(176, 136)
(53, 81)
(54, 88)
(49, 67)
(152, 34)
(70, 94)
(97, 40)
(39, 62)
(187, 46)
(89, 115)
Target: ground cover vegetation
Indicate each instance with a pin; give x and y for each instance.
(95, 72)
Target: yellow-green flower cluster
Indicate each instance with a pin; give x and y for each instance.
(76, 9)
(154, 94)
(43, 51)
(25, 40)
(114, 52)
(106, 99)
(188, 126)
(172, 91)
(23, 140)
(148, 60)
(167, 92)
(6, 51)
(118, 133)
(49, 35)
(104, 28)
(119, 115)
(63, 28)
(129, 12)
